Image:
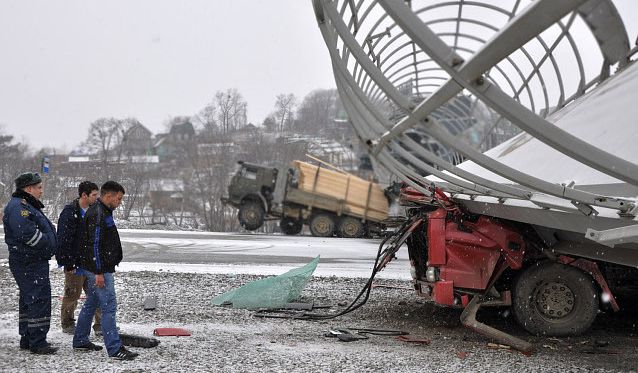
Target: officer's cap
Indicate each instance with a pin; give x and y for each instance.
(26, 179)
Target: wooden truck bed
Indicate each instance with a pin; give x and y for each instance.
(338, 192)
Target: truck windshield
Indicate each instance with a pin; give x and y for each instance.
(248, 174)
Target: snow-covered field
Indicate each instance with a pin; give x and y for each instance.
(230, 340)
(261, 254)
(258, 254)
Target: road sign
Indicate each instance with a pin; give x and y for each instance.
(45, 165)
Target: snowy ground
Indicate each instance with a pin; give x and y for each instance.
(232, 340)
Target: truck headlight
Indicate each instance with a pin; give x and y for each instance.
(430, 274)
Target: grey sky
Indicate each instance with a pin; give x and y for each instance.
(66, 63)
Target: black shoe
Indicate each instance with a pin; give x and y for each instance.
(124, 354)
(88, 347)
(24, 343)
(44, 350)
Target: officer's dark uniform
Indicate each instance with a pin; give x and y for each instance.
(31, 239)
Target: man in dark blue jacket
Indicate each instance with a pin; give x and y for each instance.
(70, 227)
(100, 252)
(31, 239)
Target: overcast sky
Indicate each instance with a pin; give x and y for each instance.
(65, 63)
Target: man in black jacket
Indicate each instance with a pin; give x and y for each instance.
(70, 227)
(100, 252)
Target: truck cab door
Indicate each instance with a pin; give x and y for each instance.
(245, 181)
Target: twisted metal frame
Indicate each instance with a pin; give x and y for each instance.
(413, 74)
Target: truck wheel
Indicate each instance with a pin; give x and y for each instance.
(290, 226)
(322, 225)
(350, 227)
(251, 215)
(555, 299)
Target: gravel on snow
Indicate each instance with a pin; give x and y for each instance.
(231, 340)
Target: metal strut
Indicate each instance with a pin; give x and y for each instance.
(468, 319)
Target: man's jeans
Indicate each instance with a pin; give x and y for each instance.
(104, 298)
(73, 285)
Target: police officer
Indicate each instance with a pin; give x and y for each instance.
(31, 239)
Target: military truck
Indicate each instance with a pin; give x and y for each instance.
(331, 202)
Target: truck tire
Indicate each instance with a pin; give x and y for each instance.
(251, 215)
(290, 226)
(350, 227)
(555, 300)
(322, 224)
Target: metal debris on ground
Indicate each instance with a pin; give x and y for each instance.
(392, 287)
(497, 346)
(299, 306)
(344, 335)
(132, 340)
(355, 334)
(413, 339)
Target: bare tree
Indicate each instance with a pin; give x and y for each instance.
(136, 182)
(231, 110)
(270, 124)
(14, 159)
(205, 184)
(284, 106)
(258, 148)
(105, 136)
(317, 111)
(288, 151)
(207, 118)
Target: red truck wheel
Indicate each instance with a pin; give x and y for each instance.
(555, 299)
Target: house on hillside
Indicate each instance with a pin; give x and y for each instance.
(182, 132)
(245, 133)
(168, 145)
(137, 140)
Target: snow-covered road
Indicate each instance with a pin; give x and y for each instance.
(259, 254)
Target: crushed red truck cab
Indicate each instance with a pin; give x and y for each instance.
(469, 261)
(465, 254)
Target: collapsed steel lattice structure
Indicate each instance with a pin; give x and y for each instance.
(430, 67)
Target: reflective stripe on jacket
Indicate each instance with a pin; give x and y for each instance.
(29, 235)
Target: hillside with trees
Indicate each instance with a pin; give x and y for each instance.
(178, 176)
